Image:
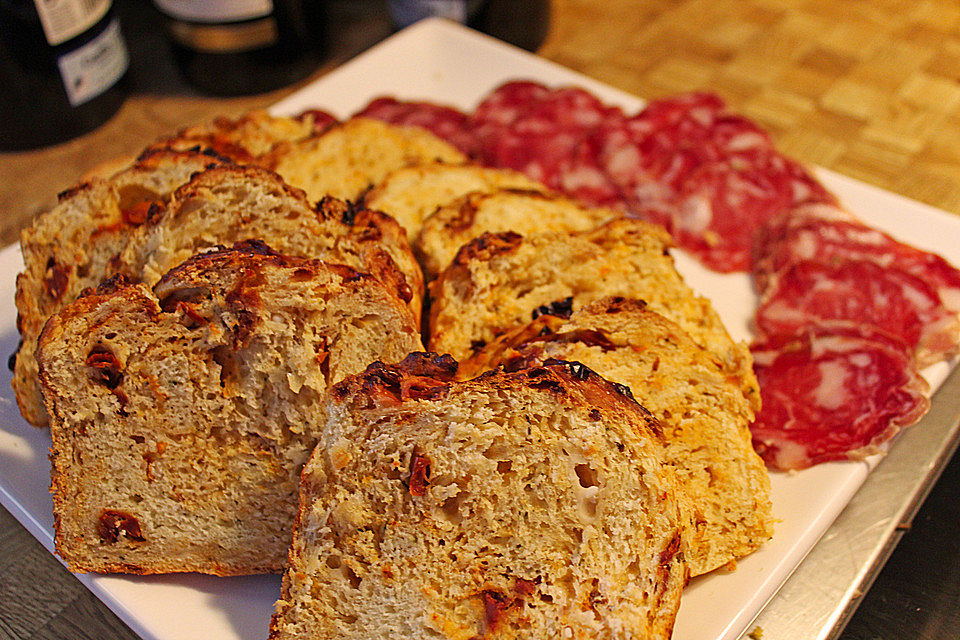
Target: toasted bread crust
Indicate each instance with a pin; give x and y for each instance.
(411, 194)
(414, 518)
(78, 242)
(225, 361)
(704, 415)
(522, 211)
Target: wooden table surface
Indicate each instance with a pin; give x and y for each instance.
(869, 88)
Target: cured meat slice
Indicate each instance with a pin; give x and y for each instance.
(830, 233)
(546, 133)
(813, 291)
(443, 121)
(711, 177)
(836, 391)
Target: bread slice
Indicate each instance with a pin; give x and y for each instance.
(251, 135)
(522, 505)
(350, 157)
(520, 210)
(233, 203)
(243, 139)
(72, 246)
(412, 193)
(704, 416)
(181, 417)
(499, 281)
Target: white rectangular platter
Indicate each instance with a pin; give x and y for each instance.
(442, 62)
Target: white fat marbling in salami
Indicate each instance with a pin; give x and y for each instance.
(813, 291)
(835, 391)
(550, 135)
(830, 233)
(712, 178)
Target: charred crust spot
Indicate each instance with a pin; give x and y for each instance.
(56, 278)
(487, 246)
(543, 380)
(560, 308)
(578, 370)
(476, 345)
(105, 368)
(623, 390)
(114, 524)
(255, 246)
(72, 191)
(595, 414)
(349, 214)
(419, 474)
(426, 364)
(12, 360)
(114, 283)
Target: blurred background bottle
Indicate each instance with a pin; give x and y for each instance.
(62, 69)
(237, 47)
(523, 23)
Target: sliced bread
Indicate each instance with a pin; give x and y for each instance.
(351, 157)
(412, 193)
(75, 244)
(233, 203)
(522, 505)
(500, 281)
(181, 416)
(704, 416)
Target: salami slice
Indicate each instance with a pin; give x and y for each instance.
(545, 133)
(830, 233)
(836, 391)
(443, 121)
(711, 177)
(813, 291)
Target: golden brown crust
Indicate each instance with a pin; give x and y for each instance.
(225, 361)
(704, 414)
(484, 509)
(78, 243)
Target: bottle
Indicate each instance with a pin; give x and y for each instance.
(523, 23)
(62, 70)
(237, 47)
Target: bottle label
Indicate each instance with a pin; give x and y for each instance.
(406, 12)
(65, 19)
(211, 11)
(95, 67)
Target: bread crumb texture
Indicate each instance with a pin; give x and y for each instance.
(182, 415)
(515, 505)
